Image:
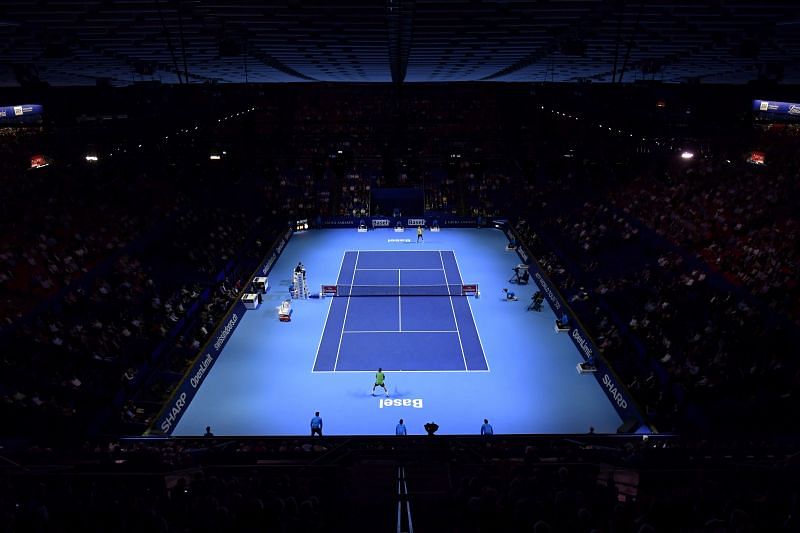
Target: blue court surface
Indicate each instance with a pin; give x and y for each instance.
(392, 317)
(448, 358)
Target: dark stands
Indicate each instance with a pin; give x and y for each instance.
(570, 483)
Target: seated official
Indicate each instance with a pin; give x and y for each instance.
(588, 365)
(536, 301)
(521, 275)
(563, 322)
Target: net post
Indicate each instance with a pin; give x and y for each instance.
(468, 289)
(329, 290)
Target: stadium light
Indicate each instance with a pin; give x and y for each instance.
(215, 157)
(91, 157)
(686, 155)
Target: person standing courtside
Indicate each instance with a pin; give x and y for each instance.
(316, 425)
(380, 378)
(486, 428)
(419, 234)
(400, 429)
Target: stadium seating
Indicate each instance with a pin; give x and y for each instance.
(684, 277)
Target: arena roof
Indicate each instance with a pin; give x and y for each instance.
(81, 42)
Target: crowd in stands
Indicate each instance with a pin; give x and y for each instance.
(682, 275)
(272, 500)
(104, 299)
(741, 221)
(74, 218)
(682, 329)
(67, 361)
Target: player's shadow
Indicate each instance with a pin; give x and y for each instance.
(379, 393)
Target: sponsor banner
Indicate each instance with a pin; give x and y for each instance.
(780, 108)
(605, 376)
(337, 222)
(268, 265)
(183, 395)
(14, 113)
(459, 222)
(544, 283)
(416, 403)
(615, 390)
(279, 245)
(390, 222)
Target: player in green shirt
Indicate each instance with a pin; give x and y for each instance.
(379, 382)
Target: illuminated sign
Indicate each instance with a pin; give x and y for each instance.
(778, 108)
(14, 113)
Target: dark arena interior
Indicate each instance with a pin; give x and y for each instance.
(468, 266)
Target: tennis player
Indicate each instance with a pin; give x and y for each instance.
(380, 378)
(419, 234)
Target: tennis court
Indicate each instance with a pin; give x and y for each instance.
(401, 310)
(448, 358)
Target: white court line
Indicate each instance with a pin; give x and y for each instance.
(394, 286)
(402, 371)
(330, 304)
(452, 308)
(399, 298)
(396, 251)
(472, 317)
(348, 304)
(398, 511)
(408, 504)
(404, 331)
(344, 322)
(436, 269)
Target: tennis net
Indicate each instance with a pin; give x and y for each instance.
(401, 290)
